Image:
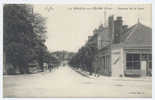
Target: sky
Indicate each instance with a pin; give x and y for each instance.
(69, 25)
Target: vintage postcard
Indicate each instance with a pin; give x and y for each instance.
(77, 50)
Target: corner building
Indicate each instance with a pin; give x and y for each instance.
(123, 51)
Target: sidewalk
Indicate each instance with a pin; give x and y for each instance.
(86, 74)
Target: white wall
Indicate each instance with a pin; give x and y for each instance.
(117, 62)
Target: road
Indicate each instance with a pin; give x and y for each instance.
(65, 82)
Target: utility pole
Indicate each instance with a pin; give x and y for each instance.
(105, 16)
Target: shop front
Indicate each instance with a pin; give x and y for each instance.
(138, 62)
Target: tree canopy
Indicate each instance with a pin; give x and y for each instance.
(24, 36)
(84, 58)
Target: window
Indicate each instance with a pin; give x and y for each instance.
(133, 61)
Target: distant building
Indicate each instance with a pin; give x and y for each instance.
(123, 51)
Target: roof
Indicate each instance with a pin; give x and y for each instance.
(137, 35)
(92, 40)
(105, 35)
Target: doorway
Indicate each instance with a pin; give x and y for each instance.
(143, 68)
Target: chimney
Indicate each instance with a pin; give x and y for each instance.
(101, 28)
(111, 27)
(125, 28)
(118, 29)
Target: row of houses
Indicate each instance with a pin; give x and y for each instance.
(122, 50)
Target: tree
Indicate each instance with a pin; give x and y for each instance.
(84, 58)
(24, 35)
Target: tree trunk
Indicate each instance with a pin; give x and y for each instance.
(26, 69)
(41, 66)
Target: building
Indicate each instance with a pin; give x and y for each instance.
(123, 51)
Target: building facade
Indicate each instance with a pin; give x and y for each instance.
(123, 51)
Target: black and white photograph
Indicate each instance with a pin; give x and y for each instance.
(77, 50)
